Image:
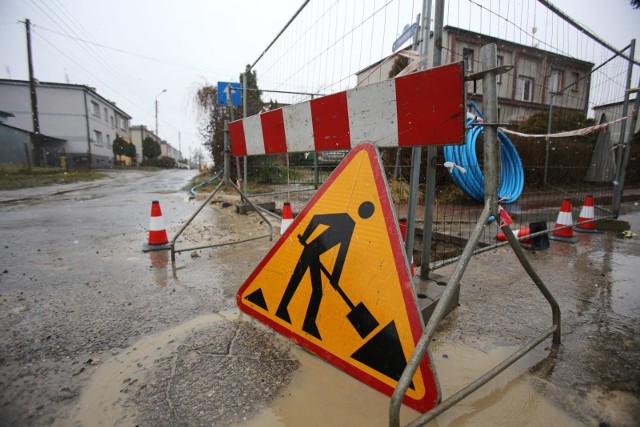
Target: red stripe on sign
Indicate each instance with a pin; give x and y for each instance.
(431, 107)
(330, 118)
(273, 132)
(238, 142)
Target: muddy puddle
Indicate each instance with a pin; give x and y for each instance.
(317, 394)
(104, 401)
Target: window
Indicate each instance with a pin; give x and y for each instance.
(112, 122)
(467, 56)
(106, 114)
(500, 63)
(524, 89)
(575, 81)
(98, 137)
(108, 141)
(95, 108)
(123, 123)
(555, 80)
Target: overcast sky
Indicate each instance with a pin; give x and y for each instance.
(152, 45)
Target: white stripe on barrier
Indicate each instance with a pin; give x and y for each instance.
(298, 127)
(370, 113)
(253, 134)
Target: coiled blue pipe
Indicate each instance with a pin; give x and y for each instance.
(472, 182)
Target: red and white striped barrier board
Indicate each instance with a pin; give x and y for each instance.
(423, 108)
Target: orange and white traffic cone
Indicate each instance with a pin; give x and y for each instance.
(157, 234)
(287, 217)
(586, 219)
(564, 232)
(402, 223)
(524, 231)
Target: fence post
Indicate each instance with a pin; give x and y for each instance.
(622, 159)
(548, 140)
(414, 179)
(491, 170)
(245, 181)
(432, 152)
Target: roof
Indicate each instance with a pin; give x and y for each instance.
(71, 86)
(45, 138)
(486, 38)
(489, 39)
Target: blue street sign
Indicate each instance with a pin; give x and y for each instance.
(407, 33)
(236, 94)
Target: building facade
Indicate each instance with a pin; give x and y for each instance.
(77, 114)
(140, 132)
(538, 77)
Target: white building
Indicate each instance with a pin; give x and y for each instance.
(140, 132)
(77, 114)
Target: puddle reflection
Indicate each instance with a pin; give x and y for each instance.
(159, 262)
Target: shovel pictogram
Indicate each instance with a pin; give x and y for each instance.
(359, 316)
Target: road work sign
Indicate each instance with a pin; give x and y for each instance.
(423, 108)
(337, 282)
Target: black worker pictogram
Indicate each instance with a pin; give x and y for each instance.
(338, 232)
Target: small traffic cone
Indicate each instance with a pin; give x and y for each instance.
(402, 223)
(586, 219)
(287, 217)
(564, 222)
(157, 234)
(524, 231)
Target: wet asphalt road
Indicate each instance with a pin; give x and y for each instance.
(76, 288)
(95, 332)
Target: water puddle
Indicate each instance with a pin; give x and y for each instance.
(320, 395)
(103, 403)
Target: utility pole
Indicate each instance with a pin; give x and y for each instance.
(35, 136)
(163, 91)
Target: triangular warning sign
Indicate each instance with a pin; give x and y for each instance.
(337, 282)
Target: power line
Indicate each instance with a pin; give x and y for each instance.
(194, 67)
(94, 55)
(87, 71)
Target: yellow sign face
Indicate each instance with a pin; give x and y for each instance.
(337, 282)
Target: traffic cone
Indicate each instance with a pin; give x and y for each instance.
(287, 217)
(402, 222)
(586, 219)
(157, 234)
(524, 231)
(564, 222)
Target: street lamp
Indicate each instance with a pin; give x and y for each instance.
(163, 91)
